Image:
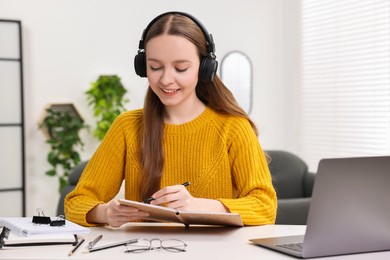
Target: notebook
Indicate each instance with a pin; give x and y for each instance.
(349, 212)
(161, 213)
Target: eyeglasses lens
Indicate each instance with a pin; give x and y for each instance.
(141, 246)
(173, 245)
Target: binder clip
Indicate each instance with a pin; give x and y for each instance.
(41, 219)
(59, 222)
(4, 235)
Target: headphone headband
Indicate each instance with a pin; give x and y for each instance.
(209, 37)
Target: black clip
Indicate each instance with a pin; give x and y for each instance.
(41, 219)
(59, 222)
(4, 235)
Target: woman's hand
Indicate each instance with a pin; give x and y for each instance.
(115, 214)
(178, 197)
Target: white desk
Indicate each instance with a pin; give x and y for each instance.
(203, 243)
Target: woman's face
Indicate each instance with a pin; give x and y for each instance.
(172, 66)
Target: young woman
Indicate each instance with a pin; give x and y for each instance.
(191, 129)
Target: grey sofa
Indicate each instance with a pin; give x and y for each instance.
(294, 185)
(73, 179)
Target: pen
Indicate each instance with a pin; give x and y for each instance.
(186, 183)
(123, 243)
(148, 200)
(77, 246)
(92, 243)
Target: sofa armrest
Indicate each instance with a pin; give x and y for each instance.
(293, 211)
(308, 183)
(76, 173)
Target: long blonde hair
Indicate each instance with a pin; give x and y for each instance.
(214, 94)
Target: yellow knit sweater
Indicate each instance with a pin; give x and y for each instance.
(220, 155)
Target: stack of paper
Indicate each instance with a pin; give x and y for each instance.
(25, 227)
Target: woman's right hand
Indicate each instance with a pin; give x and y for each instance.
(115, 214)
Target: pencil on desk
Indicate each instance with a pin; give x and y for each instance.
(77, 246)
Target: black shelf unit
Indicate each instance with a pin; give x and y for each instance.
(12, 126)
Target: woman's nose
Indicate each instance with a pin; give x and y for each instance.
(167, 76)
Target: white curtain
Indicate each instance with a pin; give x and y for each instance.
(345, 80)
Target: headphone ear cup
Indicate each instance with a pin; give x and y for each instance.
(140, 64)
(207, 69)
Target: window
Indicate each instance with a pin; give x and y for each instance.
(12, 163)
(345, 81)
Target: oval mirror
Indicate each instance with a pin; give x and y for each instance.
(236, 73)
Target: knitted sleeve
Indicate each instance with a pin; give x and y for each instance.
(103, 175)
(256, 198)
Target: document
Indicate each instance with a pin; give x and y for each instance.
(23, 226)
(186, 217)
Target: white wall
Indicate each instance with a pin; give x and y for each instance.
(68, 43)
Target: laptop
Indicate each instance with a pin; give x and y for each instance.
(349, 211)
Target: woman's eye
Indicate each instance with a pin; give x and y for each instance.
(155, 68)
(181, 70)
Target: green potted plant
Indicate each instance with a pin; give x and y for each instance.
(107, 98)
(62, 124)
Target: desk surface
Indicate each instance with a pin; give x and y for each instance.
(203, 243)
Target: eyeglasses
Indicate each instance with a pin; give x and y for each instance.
(143, 245)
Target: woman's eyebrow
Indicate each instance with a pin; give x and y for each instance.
(176, 61)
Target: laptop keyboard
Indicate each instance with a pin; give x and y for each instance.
(293, 246)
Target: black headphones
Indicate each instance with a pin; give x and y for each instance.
(208, 65)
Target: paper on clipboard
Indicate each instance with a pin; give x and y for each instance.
(23, 226)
